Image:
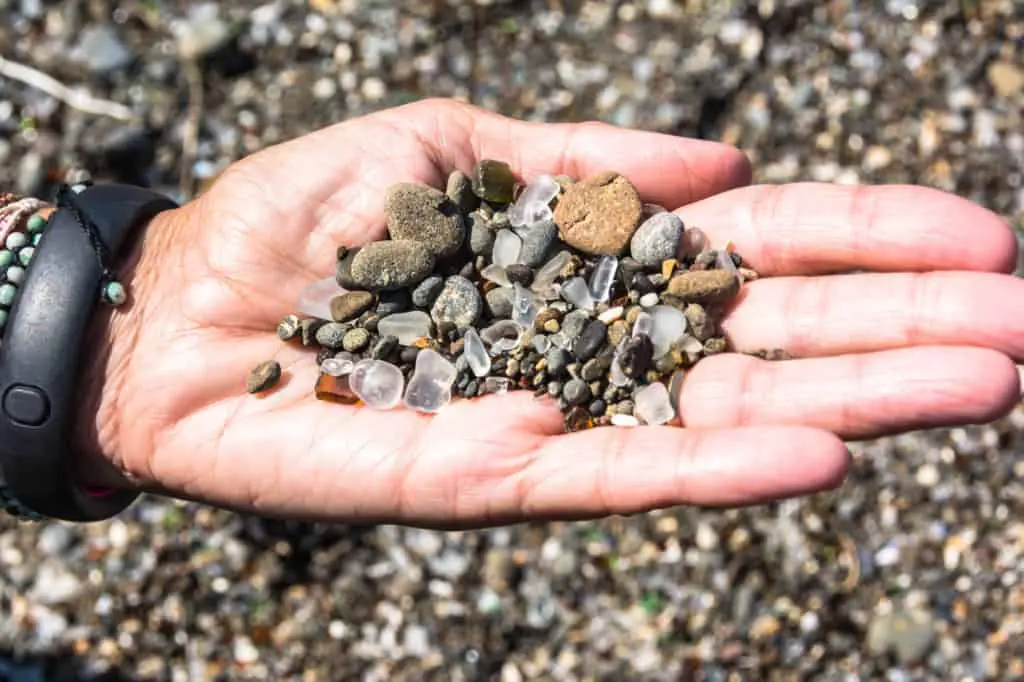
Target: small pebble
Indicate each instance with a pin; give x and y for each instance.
(350, 305)
(331, 335)
(519, 274)
(537, 243)
(597, 408)
(384, 348)
(459, 191)
(356, 340)
(389, 265)
(459, 302)
(636, 356)
(499, 302)
(588, 343)
(288, 327)
(263, 377)
(493, 181)
(427, 291)
(707, 286)
(424, 215)
(481, 236)
(649, 300)
(557, 361)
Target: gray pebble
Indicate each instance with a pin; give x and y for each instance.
(423, 214)
(390, 265)
(408, 355)
(331, 335)
(557, 360)
(460, 191)
(481, 237)
(426, 292)
(596, 368)
(288, 327)
(499, 302)
(384, 348)
(537, 242)
(520, 274)
(355, 340)
(459, 303)
(554, 389)
(590, 341)
(308, 329)
(576, 392)
(391, 302)
(597, 408)
(512, 368)
(574, 323)
(657, 239)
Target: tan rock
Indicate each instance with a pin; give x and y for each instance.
(599, 214)
(704, 286)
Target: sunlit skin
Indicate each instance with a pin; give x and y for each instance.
(925, 333)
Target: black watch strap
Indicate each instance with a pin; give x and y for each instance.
(41, 351)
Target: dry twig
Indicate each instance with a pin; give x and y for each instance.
(74, 98)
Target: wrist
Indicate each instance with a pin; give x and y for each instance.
(113, 334)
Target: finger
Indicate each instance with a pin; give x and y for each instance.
(814, 228)
(820, 316)
(855, 396)
(628, 470)
(666, 169)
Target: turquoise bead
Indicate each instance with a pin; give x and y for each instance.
(36, 238)
(7, 294)
(36, 223)
(114, 293)
(25, 255)
(16, 240)
(16, 275)
(7, 259)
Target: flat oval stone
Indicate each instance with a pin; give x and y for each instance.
(460, 191)
(350, 305)
(355, 340)
(537, 241)
(390, 265)
(705, 286)
(599, 215)
(590, 341)
(481, 236)
(421, 213)
(459, 302)
(657, 239)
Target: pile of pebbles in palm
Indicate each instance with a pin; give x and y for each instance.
(575, 290)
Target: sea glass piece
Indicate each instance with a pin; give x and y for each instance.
(524, 308)
(535, 202)
(602, 278)
(341, 364)
(496, 274)
(545, 277)
(669, 325)
(507, 245)
(407, 327)
(315, 299)
(335, 389)
(577, 293)
(476, 354)
(653, 405)
(430, 387)
(723, 261)
(541, 343)
(644, 324)
(504, 335)
(378, 383)
(619, 419)
(497, 385)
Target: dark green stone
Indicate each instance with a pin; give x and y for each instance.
(493, 181)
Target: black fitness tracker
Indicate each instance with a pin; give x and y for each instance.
(41, 350)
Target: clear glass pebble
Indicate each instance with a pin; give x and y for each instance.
(408, 327)
(430, 387)
(669, 326)
(644, 324)
(534, 203)
(507, 246)
(379, 384)
(503, 336)
(476, 354)
(653, 405)
(624, 420)
(541, 343)
(576, 292)
(545, 277)
(649, 300)
(341, 364)
(496, 273)
(617, 376)
(602, 278)
(315, 299)
(723, 261)
(524, 308)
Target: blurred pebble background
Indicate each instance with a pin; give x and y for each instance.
(914, 571)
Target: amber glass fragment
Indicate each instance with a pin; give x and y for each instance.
(578, 419)
(335, 390)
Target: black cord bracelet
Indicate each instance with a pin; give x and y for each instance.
(42, 346)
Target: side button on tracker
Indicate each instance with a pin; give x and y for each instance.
(26, 405)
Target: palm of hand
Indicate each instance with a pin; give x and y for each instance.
(228, 267)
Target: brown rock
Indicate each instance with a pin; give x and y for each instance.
(702, 326)
(704, 286)
(350, 305)
(263, 377)
(423, 214)
(599, 215)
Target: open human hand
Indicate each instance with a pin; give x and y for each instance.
(894, 302)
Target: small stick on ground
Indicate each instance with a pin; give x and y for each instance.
(74, 98)
(190, 141)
